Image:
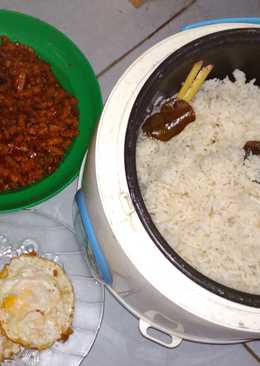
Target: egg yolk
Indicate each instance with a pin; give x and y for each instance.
(17, 305)
(9, 301)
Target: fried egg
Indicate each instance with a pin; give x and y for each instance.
(8, 349)
(36, 302)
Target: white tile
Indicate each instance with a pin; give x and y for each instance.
(103, 29)
(255, 347)
(201, 10)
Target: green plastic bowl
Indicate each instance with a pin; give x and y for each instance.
(76, 76)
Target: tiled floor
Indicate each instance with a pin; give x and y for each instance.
(112, 34)
(192, 11)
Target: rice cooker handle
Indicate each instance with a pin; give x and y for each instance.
(249, 20)
(144, 329)
(100, 260)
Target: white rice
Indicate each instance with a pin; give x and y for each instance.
(199, 190)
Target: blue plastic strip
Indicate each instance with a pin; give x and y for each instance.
(250, 20)
(96, 249)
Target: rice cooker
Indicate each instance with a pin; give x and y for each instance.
(123, 253)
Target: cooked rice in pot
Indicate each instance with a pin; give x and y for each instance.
(201, 193)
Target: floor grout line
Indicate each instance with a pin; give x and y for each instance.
(251, 352)
(149, 36)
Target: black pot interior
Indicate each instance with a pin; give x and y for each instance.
(227, 50)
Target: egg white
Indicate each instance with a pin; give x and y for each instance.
(36, 302)
(8, 349)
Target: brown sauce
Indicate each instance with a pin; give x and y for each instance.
(55, 273)
(173, 117)
(252, 147)
(66, 335)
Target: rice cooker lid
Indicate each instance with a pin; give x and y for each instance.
(118, 206)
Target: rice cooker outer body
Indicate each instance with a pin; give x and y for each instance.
(144, 280)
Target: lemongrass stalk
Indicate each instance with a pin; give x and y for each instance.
(190, 78)
(199, 80)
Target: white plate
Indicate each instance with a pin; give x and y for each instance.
(32, 230)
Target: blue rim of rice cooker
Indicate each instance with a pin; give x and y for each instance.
(247, 20)
(100, 260)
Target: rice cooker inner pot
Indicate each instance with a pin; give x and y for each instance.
(227, 50)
